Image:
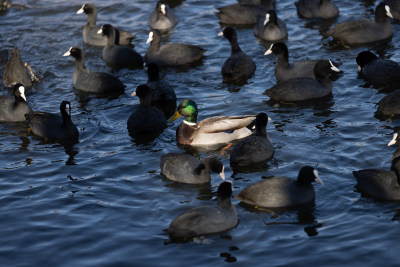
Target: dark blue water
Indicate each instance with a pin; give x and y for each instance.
(104, 203)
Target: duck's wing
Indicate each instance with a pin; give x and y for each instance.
(224, 123)
(349, 26)
(202, 220)
(125, 37)
(390, 104)
(379, 184)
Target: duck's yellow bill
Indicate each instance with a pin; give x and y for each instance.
(175, 116)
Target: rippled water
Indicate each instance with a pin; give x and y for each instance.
(104, 203)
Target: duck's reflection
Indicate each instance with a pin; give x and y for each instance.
(305, 216)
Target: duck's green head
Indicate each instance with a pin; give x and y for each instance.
(188, 109)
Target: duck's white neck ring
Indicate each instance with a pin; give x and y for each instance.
(189, 123)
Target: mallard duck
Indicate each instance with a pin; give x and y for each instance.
(206, 220)
(211, 131)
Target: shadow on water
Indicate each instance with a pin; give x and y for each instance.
(396, 216)
(259, 167)
(185, 67)
(3, 60)
(204, 190)
(69, 146)
(368, 3)
(237, 27)
(381, 88)
(71, 151)
(231, 88)
(198, 240)
(305, 216)
(195, 150)
(144, 139)
(321, 24)
(23, 134)
(384, 117)
(85, 97)
(334, 44)
(388, 118)
(237, 82)
(19, 129)
(228, 256)
(320, 104)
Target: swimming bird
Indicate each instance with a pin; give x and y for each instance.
(285, 70)
(162, 18)
(162, 94)
(270, 27)
(90, 30)
(171, 54)
(238, 66)
(145, 119)
(256, 148)
(363, 31)
(394, 8)
(14, 108)
(381, 184)
(390, 104)
(305, 88)
(377, 71)
(214, 131)
(15, 71)
(185, 168)
(117, 56)
(90, 81)
(53, 126)
(243, 13)
(206, 220)
(281, 191)
(323, 9)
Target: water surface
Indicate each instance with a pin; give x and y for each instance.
(103, 201)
